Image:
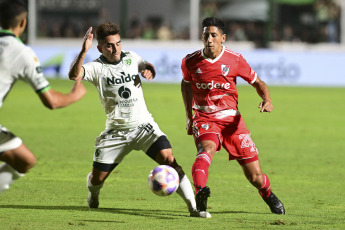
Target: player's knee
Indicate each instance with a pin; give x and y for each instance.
(165, 157)
(210, 148)
(255, 179)
(26, 165)
(171, 161)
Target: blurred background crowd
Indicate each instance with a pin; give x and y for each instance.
(257, 21)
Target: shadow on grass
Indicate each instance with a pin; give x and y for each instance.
(154, 213)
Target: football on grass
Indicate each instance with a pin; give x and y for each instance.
(163, 180)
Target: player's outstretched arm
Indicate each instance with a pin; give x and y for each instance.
(53, 99)
(76, 70)
(262, 90)
(187, 96)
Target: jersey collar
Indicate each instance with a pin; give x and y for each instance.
(4, 33)
(212, 60)
(113, 63)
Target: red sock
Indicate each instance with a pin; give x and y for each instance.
(265, 189)
(200, 170)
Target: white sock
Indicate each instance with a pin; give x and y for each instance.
(185, 190)
(7, 176)
(92, 188)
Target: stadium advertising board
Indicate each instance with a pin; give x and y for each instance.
(274, 67)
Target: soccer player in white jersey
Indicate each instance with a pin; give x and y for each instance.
(19, 62)
(129, 124)
(209, 90)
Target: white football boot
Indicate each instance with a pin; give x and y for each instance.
(202, 214)
(94, 191)
(92, 199)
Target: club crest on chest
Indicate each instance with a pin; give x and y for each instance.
(225, 69)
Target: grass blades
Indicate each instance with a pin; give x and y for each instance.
(301, 145)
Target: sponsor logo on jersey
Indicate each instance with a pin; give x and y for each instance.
(121, 80)
(127, 103)
(124, 92)
(213, 85)
(225, 69)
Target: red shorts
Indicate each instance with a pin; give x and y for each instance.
(233, 136)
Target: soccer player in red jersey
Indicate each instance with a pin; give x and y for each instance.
(209, 89)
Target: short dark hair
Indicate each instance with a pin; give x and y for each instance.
(212, 21)
(9, 12)
(106, 29)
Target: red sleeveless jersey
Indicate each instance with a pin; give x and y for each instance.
(214, 81)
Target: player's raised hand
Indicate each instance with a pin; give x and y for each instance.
(266, 106)
(88, 39)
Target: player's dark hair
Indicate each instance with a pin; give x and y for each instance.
(106, 29)
(9, 12)
(212, 21)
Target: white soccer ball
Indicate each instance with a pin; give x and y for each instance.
(163, 180)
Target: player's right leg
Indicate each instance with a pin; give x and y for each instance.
(17, 158)
(161, 152)
(207, 146)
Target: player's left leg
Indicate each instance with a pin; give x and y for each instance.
(161, 152)
(252, 170)
(110, 148)
(17, 162)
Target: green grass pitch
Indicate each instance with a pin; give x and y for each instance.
(301, 145)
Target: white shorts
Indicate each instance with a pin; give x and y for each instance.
(113, 145)
(8, 140)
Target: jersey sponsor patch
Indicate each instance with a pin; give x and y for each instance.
(122, 79)
(124, 92)
(212, 85)
(36, 59)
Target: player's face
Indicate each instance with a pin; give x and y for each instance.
(212, 38)
(111, 48)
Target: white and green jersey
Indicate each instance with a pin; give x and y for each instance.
(119, 89)
(18, 62)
